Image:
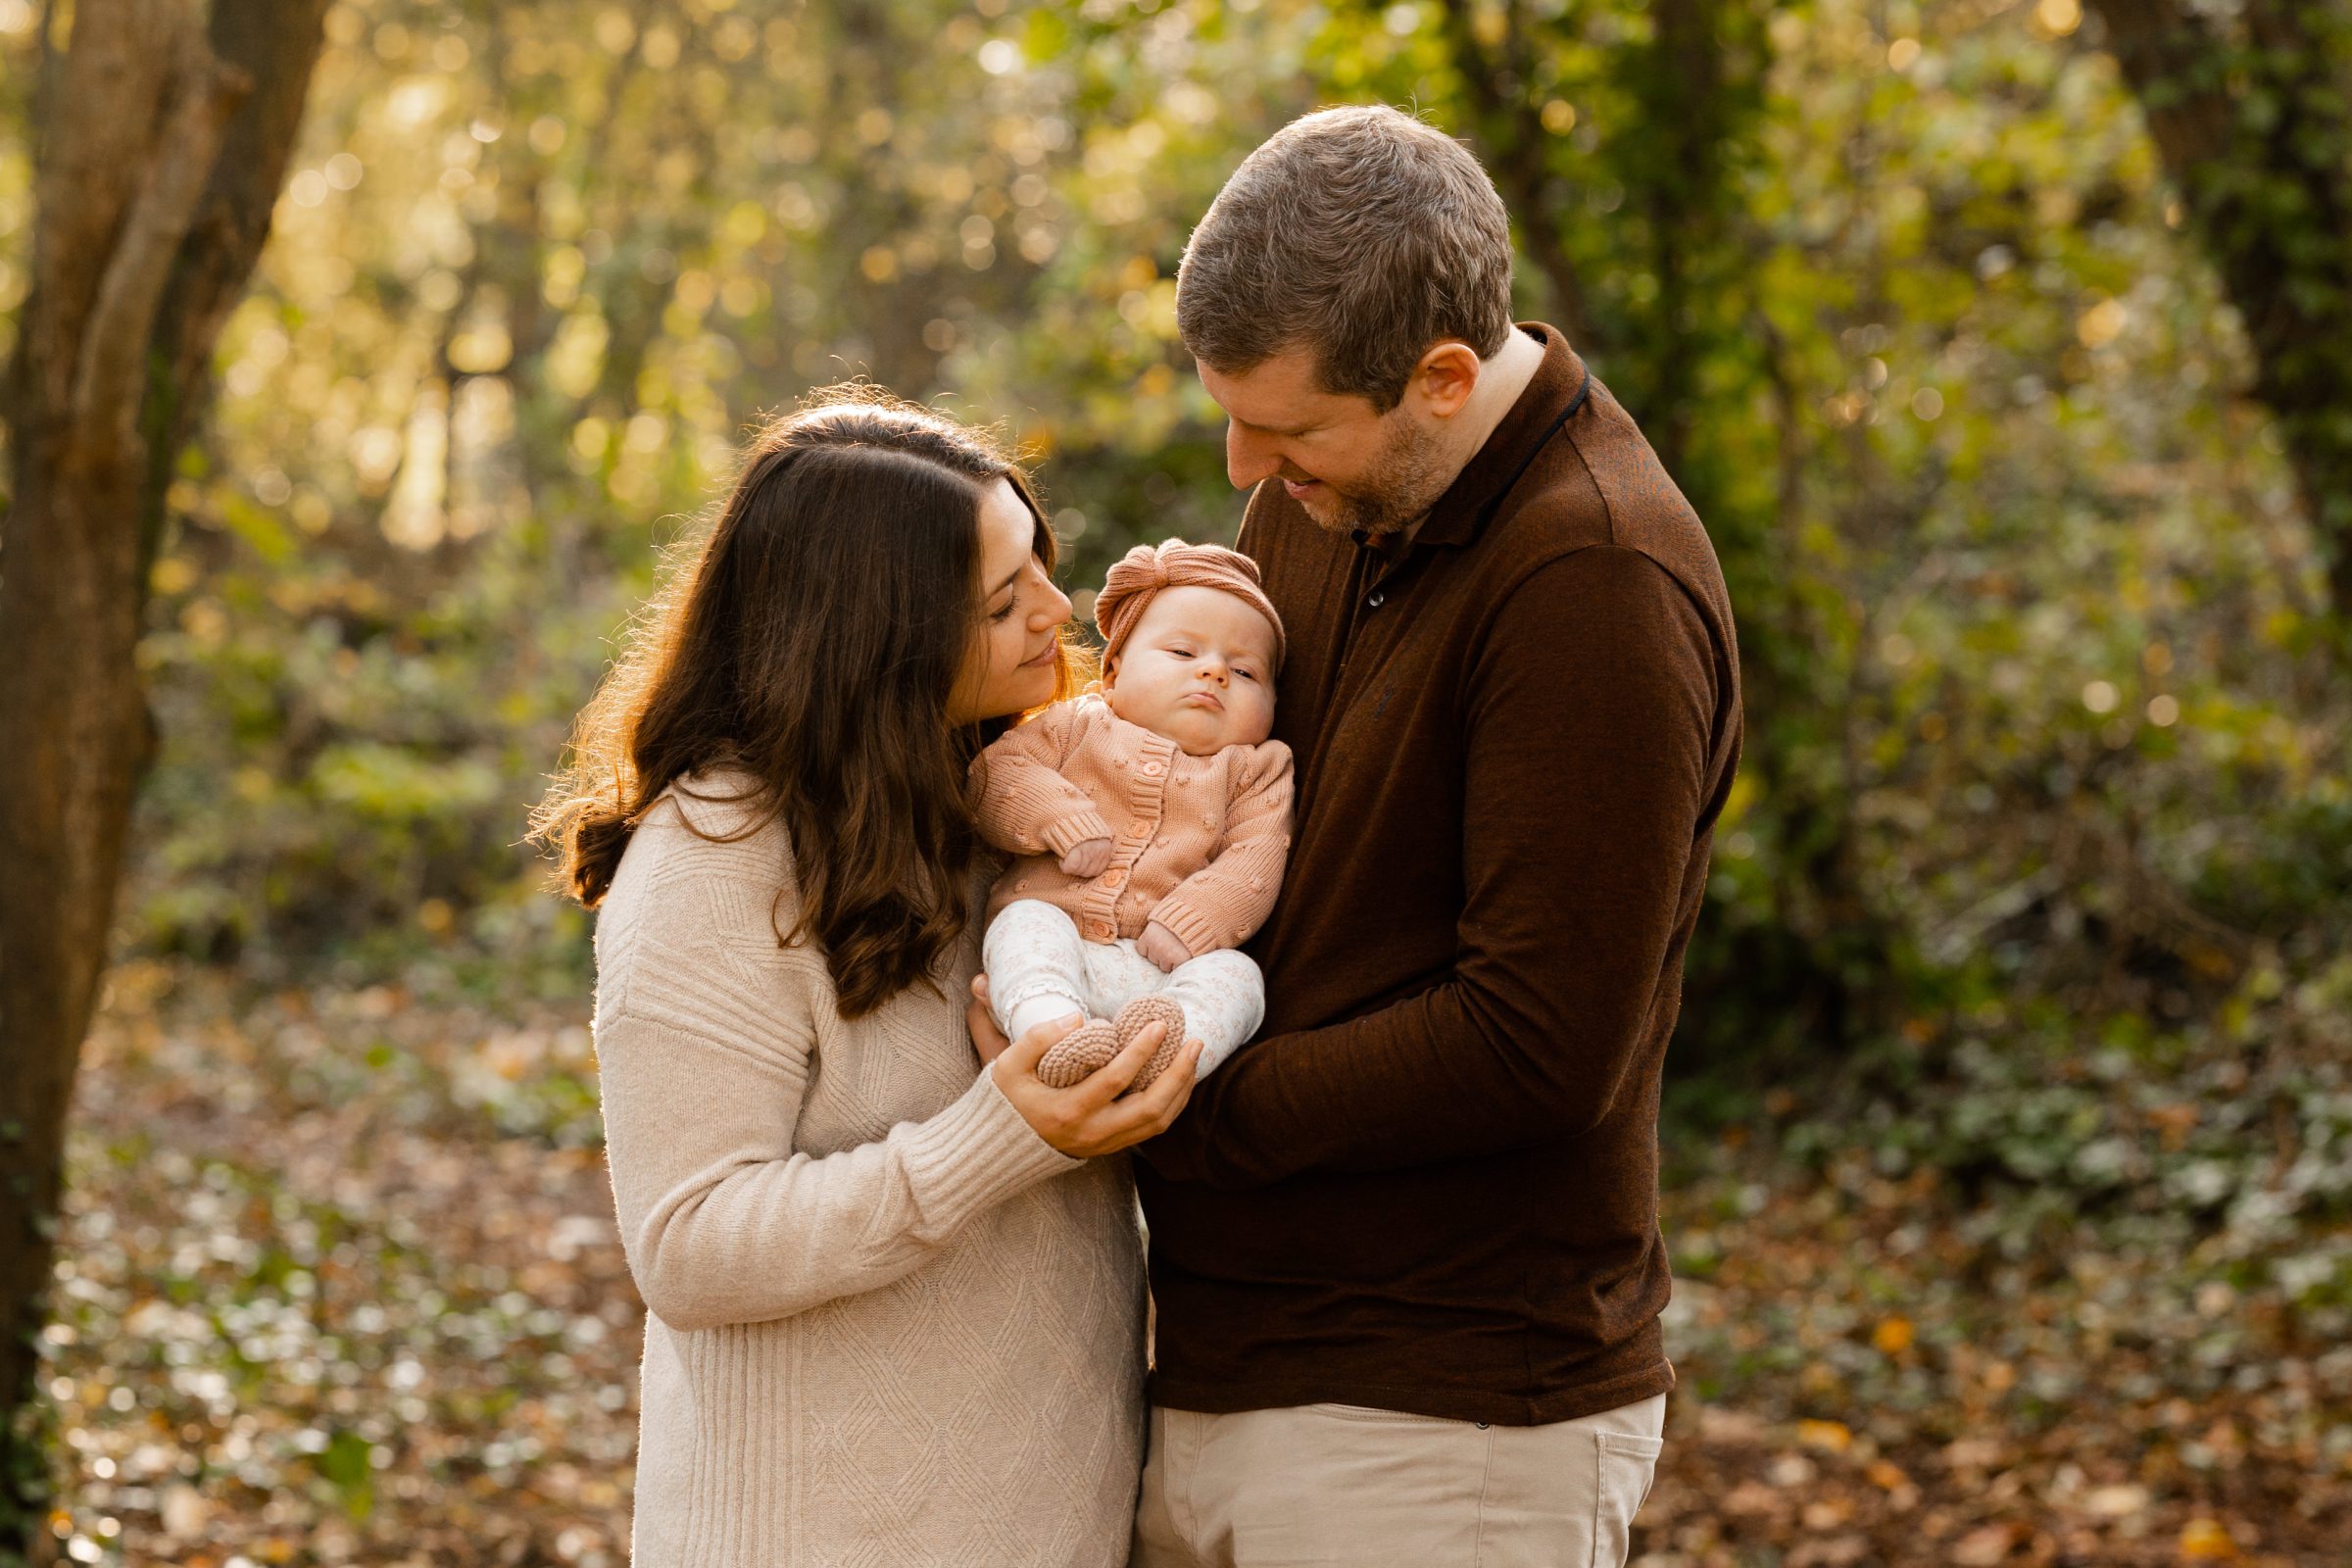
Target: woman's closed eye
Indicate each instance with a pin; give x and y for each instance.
(1006, 612)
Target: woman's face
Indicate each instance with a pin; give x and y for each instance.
(1010, 667)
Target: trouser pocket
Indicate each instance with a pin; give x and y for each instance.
(1624, 1466)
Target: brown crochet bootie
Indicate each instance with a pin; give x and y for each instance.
(1138, 1015)
(1077, 1055)
(1082, 1051)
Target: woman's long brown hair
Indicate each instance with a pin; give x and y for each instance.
(811, 640)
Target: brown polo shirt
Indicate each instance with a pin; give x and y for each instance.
(1431, 1183)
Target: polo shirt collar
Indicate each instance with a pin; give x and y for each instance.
(1461, 511)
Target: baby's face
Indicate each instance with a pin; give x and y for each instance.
(1199, 668)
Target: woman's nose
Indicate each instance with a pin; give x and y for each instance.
(1054, 609)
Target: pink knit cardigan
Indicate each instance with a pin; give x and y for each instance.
(1197, 842)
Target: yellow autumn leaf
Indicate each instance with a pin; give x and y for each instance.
(1893, 1336)
(1831, 1434)
(2205, 1540)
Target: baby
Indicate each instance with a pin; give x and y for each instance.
(1149, 818)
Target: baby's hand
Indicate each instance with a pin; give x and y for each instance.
(1162, 947)
(1090, 858)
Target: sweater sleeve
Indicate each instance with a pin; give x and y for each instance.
(704, 1029)
(1576, 848)
(1021, 801)
(1220, 904)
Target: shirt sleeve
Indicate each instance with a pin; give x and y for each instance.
(1220, 904)
(703, 1032)
(1590, 718)
(1020, 799)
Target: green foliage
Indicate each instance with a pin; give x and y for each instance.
(2040, 701)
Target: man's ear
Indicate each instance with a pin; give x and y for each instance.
(1443, 378)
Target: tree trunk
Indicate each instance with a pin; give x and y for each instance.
(2254, 125)
(1508, 128)
(159, 167)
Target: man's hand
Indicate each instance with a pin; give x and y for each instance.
(1089, 1120)
(1089, 858)
(1162, 947)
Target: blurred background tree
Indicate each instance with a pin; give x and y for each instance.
(2001, 346)
(1906, 297)
(162, 132)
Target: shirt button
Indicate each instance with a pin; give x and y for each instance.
(1378, 599)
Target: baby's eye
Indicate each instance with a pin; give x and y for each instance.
(1179, 651)
(1245, 672)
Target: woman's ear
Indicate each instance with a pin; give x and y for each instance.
(1110, 674)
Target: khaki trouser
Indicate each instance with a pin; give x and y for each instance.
(1345, 1483)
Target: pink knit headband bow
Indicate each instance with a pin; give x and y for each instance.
(1139, 575)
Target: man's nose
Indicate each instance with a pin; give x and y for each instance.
(1249, 458)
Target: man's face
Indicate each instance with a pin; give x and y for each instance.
(1348, 466)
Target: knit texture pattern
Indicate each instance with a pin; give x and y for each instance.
(1197, 843)
(889, 1324)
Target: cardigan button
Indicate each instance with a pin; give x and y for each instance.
(1115, 877)
(1154, 767)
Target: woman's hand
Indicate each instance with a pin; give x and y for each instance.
(1089, 858)
(1089, 1118)
(981, 1020)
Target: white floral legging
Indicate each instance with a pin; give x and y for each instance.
(1039, 969)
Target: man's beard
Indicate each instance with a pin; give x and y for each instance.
(1406, 481)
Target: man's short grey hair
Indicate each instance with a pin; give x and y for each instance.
(1362, 233)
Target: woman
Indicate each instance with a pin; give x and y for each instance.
(896, 1297)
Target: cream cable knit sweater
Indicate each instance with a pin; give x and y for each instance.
(890, 1324)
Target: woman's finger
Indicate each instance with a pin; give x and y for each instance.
(1148, 1112)
(1109, 1081)
(1169, 1093)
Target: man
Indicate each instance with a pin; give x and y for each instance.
(1404, 1245)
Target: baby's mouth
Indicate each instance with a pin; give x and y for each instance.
(1205, 699)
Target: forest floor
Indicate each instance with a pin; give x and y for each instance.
(339, 1284)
